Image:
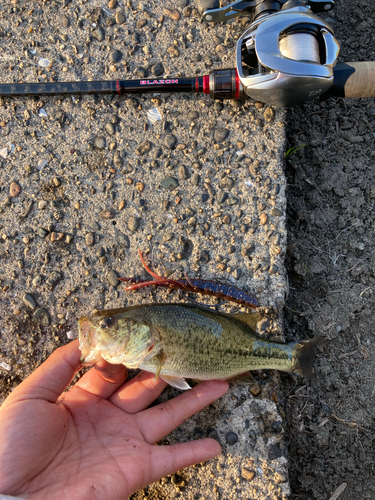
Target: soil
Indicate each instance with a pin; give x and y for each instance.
(330, 266)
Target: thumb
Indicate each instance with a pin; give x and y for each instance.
(51, 378)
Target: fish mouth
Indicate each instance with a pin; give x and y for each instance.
(87, 342)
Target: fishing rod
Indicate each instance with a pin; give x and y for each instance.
(286, 56)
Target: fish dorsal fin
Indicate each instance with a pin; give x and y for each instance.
(243, 378)
(251, 319)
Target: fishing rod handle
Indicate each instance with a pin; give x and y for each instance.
(352, 79)
(359, 78)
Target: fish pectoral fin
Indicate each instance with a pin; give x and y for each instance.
(243, 378)
(251, 319)
(160, 366)
(178, 382)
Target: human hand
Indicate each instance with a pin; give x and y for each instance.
(95, 441)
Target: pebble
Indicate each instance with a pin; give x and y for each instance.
(226, 183)
(274, 452)
(94, 226)
(247, 474)
(115, 56)
(14, 190)
(53, 278)
(221, 134)
(170, 141)
(120, 18)
(110, 128)
(99, 142)
(141, 72)
(112, 4)
(42, 204)
(143, 148)
(231, 437)
(227, 219)
(99, 34)
(133, 223)
(90, 239)
(37, 281)
(157, 69)
(195, 179)
(183, 173)
(112, 278)
(276, 212)
(29, 301)
(123, 240)
(42, 316)
(169, 183)
(269, 114)
(263, 218)
(43, 233)
(5, 366)
(107, 214)
(173, 14)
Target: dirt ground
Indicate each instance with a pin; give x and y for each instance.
(330, 266)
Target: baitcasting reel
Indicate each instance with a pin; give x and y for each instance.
(287, 55)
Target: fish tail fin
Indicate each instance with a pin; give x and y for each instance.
(304, 357)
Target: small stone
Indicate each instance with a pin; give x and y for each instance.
(263, 218)
(121, 205)
(192, 221)
(173, 14)
(120, 18)
(112, 278)
(43, 233)
(29, 301)
(226, 219)
(170, 141)
(123, 240)
(99, 142)
(274, 452)
(37, 281)
(269, 114)
(94, 226)
(112, 4)
(255, 390)
(221, 134)
(195, 179)
(110, 128)
(226, 182)
(56, 182)
(139, 187)
(276, 212)
(133, 223)
(247, 474)
(68, 238)
(169, 183)
(115, 56)
(42, 204)
(14, 190)
(183, 173)
(99, 34)
(53, 278)
(107, 214)
(90, 239)
(157, 69)
(141, 72)
(42, 316)
(143, 148)
(231, 437)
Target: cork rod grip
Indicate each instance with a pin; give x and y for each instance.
(359, 78)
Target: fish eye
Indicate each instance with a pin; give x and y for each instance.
(106, 322)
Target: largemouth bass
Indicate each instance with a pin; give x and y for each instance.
(178, 341)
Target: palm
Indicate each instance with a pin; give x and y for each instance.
(97, 440)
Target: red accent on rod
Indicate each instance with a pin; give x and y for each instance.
(206, 84)
(118, 86)
(196, 85)
(238, 86)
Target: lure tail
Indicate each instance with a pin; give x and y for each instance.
(304, 357)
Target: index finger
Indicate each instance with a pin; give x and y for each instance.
(51, 378)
